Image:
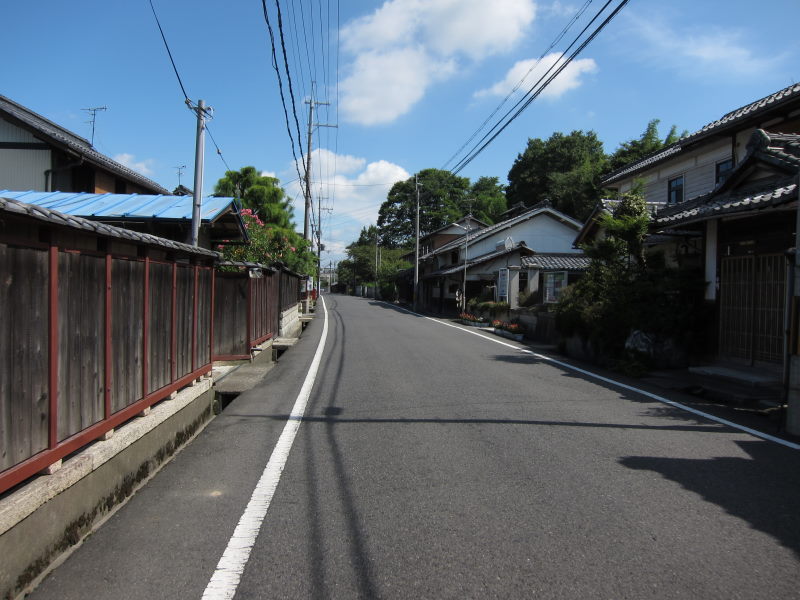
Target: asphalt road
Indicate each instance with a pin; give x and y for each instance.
(433, 462)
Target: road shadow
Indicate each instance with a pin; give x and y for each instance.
(396, 308)
(338, 420)
(762, 490)
(331, 370)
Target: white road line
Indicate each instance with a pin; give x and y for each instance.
(228, 574)
(656, 397)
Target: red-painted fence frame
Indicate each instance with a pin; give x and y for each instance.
(58, 449)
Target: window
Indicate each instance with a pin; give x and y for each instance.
(554, 284)
(724, 169)
(675, 190)
(523, 281)
(454, 257)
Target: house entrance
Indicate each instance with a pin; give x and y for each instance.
(752, 296)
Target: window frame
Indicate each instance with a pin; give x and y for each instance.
(719, 177)
(676, 188)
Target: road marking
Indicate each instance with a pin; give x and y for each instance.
(228, 573)
(652, 396)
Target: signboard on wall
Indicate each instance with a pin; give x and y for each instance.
(553, 284)
(502, 285)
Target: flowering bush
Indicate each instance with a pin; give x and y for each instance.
(270, 244)
(465, 316)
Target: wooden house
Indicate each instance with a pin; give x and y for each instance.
(37, 154)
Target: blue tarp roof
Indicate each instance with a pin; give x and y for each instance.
(120, 206)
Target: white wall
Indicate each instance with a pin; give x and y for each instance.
(542, 233)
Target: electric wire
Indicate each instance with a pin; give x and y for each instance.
(166, 45)
(539, 86)
(518, 85)
(194, 108)
(280, 86)
(288, 75)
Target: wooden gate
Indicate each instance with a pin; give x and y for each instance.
(752, 297)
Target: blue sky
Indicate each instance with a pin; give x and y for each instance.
(408, 81)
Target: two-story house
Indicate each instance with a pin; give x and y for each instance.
(728, 196)
(37, 154)
(498, 258)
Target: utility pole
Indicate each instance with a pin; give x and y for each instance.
(93, 117)
(416, 247)
(311, 104)
(319, 241)
(198, 169)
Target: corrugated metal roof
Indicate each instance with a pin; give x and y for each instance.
(61, 136)
(54, 217)
(121, 206)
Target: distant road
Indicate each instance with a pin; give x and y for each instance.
(435, 463)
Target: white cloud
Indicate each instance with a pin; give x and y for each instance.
(532, 71)
(355, 191)
(384, 85)
(405, 46)
(558, 9)
(144, 167)
(710, 52)
(268, 174)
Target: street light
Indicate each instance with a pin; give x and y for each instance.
(466, 229)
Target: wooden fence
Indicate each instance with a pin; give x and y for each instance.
(99, 323)
(248, 308)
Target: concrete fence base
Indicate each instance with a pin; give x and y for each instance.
(45, 517)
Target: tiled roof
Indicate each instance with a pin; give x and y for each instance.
(731, 119)
(479, 234)
(63, 137)
(556, 262)
(706, 207)
(781, 151)
(53, 217)
(478, 260)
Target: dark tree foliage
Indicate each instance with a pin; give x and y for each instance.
(564, 169)
(443, 198)
(487, 199)
(645, 144)
(260, 193)
(624, 289)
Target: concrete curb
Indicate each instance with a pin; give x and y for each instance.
(52, 513)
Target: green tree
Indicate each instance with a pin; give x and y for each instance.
(271, 244)
(647, 143)
(360, 266)
(625, 290)
(267, 216)
(488, 199)
(564, 169)
(443, 198)
(260, 193)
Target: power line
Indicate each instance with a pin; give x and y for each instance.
(288, 76)
(174, 68)
(219, 152)
(539, 86)
(280, 86)
(518, 85)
